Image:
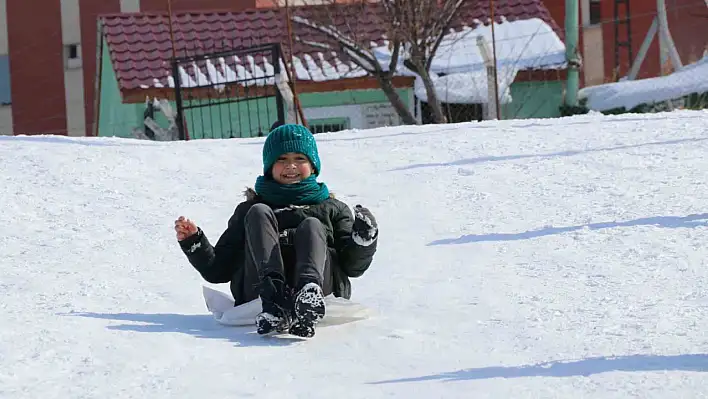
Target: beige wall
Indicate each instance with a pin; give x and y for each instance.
(585, 12)
(74, 90)
(3, 27)
(593, 52)
(129, 5)
(5, 120)
(70, 26)
(593, 55)
(73, 73)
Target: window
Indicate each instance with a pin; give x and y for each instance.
(73, 51)
(455, 113)
(5, 97)
(328, 125)
(595, 12)
(72, 56)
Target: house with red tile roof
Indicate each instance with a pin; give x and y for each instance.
(215, 72)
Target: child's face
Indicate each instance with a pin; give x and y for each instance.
(291, 168)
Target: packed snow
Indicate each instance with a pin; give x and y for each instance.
(548, 258)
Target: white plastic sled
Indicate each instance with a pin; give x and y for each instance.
(221, 305)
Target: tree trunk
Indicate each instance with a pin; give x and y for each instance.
(404, 113)
(432, 95)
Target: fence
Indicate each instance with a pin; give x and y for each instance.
(236, 97)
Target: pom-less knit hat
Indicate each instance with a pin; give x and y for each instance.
(290, 138)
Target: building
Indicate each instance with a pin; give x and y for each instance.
(612, 31)
(48, 59)
(136, 76)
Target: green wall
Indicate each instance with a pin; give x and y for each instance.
(349, 97)
(243, 119)
(115, 118)
(534, 100)
(247, 118)
(236, 119)
(239, 119)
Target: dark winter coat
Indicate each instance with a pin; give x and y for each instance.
(226, 261)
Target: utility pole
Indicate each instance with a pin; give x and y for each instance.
(571, 52)
(497, 108)
(492, 86)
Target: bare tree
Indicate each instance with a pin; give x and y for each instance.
(414, 30)
(346, 28)
(421, 25)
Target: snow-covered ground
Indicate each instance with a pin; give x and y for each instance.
(529, 258)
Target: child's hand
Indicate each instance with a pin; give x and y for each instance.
(365, 230)
(185, 228)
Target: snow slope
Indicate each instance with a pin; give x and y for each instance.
(527, 258)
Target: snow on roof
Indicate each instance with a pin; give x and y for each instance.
(692, 78)
(140, 49)
(523, 44)
(520, 45)
(468, 87)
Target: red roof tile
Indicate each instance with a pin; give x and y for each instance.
(140, 47)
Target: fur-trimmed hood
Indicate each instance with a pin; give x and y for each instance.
(250, 194)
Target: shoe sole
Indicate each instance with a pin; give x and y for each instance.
(267, 323)
(309, 309)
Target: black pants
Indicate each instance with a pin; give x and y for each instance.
(304, 262)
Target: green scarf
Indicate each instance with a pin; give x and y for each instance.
(306, 192)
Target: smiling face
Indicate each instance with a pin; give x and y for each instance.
(291, 167)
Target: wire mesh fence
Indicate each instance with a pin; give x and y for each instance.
(233, 98)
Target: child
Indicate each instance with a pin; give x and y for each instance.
(291, 242)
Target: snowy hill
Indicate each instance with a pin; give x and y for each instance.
(531, 258)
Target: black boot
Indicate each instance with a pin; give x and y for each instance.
(309, 309)
(276, 297)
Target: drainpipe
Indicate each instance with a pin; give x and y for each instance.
(571, 52)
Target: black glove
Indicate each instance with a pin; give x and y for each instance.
(365, 230)
(287, 237)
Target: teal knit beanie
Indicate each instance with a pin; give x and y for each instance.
(290, 138)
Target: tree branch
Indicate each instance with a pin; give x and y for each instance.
(365, 60)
